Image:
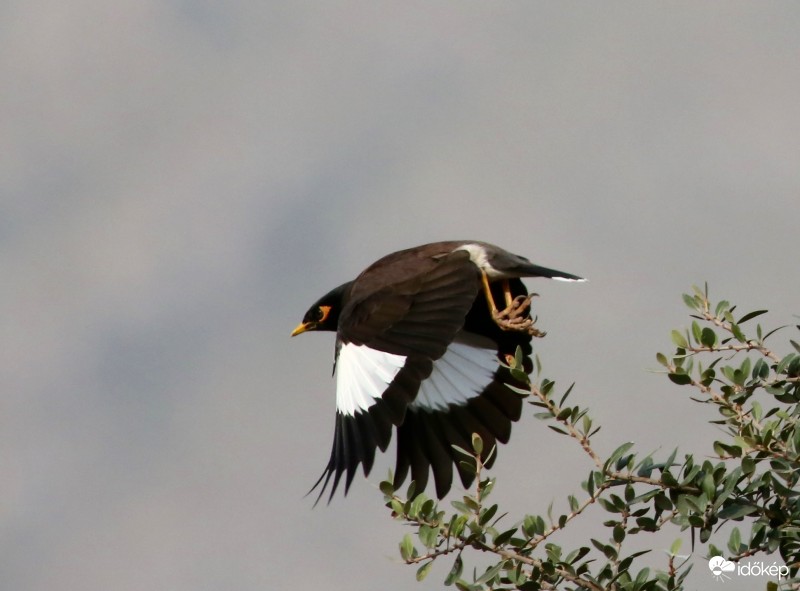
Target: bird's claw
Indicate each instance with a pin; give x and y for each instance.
(517, 316)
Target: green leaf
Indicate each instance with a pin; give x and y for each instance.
(576, 555)
(462, 451)
(671, 459)
(745, 369)
(397, 507)
(490, 573)
(736, 511)
(487, 485)
(707, 377)
(641, 578)
(564, 414)
(619, 533)
(416, 504)
(471, 503)
(477, 443)
(460, 506)
(646, 523)
(406, 547)
(521, 391)
(770, 333)
(748, 465)
(722, 306)
(423, 571)
(566, 394)
(457, 524)
(428, 535)
(617, 454)
(708, 486)
(751, 315)
(680, 379)
(501, 538)
(625, 462)
(785, 362)
(668, 479)
(679, 339)
(708, 338)
(737, 333)
(427, 506)
(735, 541)
(643, 498)
(675, 547)
(691, 301)
(518, 364)
(412, 487)
(760, 370)
(553, 552)
(697, 332)
(606, 549)
(573, 503)
(607, 505)
(661, 502)
(387, 488)
(646, 467)
(533, 525)
(455, 571)
(487, 514)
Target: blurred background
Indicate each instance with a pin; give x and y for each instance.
(180, 180)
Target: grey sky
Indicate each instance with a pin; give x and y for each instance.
(180, 180)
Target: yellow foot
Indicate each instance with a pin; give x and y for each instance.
(517, 316)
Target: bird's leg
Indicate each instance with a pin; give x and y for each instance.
(507, 293)
(516, 315)
(488, 291)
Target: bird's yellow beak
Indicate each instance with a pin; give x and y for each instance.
(303, 327)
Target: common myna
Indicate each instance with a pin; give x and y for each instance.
(419, 346)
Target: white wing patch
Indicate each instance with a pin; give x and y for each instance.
(460, 374)
(362, 375)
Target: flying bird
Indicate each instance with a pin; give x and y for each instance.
(420, 348)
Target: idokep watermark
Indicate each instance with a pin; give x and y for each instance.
(723, 570)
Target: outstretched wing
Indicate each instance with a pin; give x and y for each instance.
(436, 399)
(389, 338)
(472, 380)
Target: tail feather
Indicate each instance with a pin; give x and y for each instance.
(531, 270)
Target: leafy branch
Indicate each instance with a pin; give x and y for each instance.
(753, 480)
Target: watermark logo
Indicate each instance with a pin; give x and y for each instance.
(723, 570)
(719, 567)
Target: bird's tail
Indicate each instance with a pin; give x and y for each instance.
(531, 270)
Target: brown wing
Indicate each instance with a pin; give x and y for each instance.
(426, 431)
(426, 436)
(417, 314)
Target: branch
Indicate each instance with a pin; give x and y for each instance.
(581, 438)
(726, 326)
(510, 555)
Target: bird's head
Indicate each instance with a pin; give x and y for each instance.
(324, 313)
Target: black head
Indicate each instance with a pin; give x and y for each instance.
(324, 314)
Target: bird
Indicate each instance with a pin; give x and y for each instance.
(423, 350)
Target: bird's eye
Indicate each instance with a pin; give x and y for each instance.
(322, 313)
